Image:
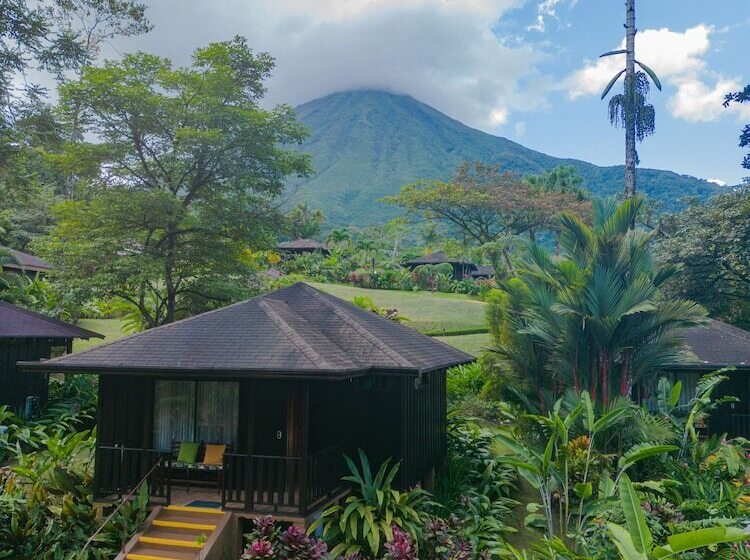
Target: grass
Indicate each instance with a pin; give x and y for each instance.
(470, 343)
(110, 328)
(428, 312)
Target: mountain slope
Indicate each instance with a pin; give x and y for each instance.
(366, 144)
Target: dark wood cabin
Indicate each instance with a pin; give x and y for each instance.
(28, 336)
(461, 269)
(718, 345)
(24, 263)
(299, 246)
(292, 380)
(484, 272)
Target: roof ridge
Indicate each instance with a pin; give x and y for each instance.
(730, 330)
(310, 353)
(359, 328)
(51, 320)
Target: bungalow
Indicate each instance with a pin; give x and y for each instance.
(461, 269)
(718, 345)
(282, 385)
(302, 246)
(25, 336)
(24, 263)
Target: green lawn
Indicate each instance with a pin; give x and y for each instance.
(110, 328)
(473, 344)
(427, 311)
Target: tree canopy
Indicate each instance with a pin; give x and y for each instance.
(192, 167)
(483, 204)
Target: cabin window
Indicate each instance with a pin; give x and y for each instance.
(195, 411)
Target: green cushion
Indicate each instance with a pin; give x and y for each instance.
(188, 452)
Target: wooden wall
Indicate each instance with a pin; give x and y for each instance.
(423, 426)
(15, 386)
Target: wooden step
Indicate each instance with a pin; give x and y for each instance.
(142, 551)
(176, 534)
(146, 539)
(193, 509)
(183, 525)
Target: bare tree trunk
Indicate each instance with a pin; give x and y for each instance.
(630, 91)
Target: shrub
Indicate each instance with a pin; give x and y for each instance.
(364, 523)
(268, 541)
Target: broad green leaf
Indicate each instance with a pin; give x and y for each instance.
(699, 539)
(608, 420)
(643, 451)
(612, 83)
(651, 74)
(584, 490)
(610, 53)
(634, 517)
(624, 543)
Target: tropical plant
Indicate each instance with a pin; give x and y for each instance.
(593, 317)
(629, 109)
(304, 222)
(635, 541)
(741, 97)
(365, 521)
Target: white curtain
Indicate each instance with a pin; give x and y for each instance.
(174, 413)
(188, 411)
(217, 412)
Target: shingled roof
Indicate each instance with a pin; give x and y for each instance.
(718, 344)
(16, 322)
(25, 261)
(431, 258)
(296, 331)
(302, 245)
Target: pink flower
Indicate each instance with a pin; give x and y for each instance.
(259, 548)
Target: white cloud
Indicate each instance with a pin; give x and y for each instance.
(697, 101)
(520, 129)
(717, 182)
(544, 11)
(443, 52)
(678, 60)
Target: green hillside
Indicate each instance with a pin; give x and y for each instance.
(366, 144)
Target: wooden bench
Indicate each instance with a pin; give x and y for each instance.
(197, 473)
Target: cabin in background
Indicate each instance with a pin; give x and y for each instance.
(299, 246)
(25, 263)
(461, 269)
(719, 345)
(288, 381)
(28, 336)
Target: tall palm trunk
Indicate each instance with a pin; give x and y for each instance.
(630, 93)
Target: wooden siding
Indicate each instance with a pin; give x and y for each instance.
(388, 416)
(15, 386)
(423, 426)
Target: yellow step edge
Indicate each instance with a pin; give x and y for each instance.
(131, 556)
(194, 509)
(183, 525)
(170, 542)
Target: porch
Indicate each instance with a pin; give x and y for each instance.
(290, 488)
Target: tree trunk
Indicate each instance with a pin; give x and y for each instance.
(630, 91)
(168, 273)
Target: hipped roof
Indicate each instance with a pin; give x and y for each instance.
(16, 322)
(437, 257)
(25, 261)
(297, 331)
(718, 345)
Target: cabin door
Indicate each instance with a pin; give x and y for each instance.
(270, 419)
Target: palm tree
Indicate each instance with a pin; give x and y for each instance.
(338, 236)
(594, 313)
(629, 109)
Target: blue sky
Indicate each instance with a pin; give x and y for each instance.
(697, 142)
(524, 69)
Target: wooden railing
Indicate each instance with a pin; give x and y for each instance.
(325, 470)
(282, 484)
(119, 469)
(262, 480)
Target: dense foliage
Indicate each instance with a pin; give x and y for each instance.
(710, 242)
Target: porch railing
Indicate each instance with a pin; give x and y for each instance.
(282, 484)
(119, 469)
